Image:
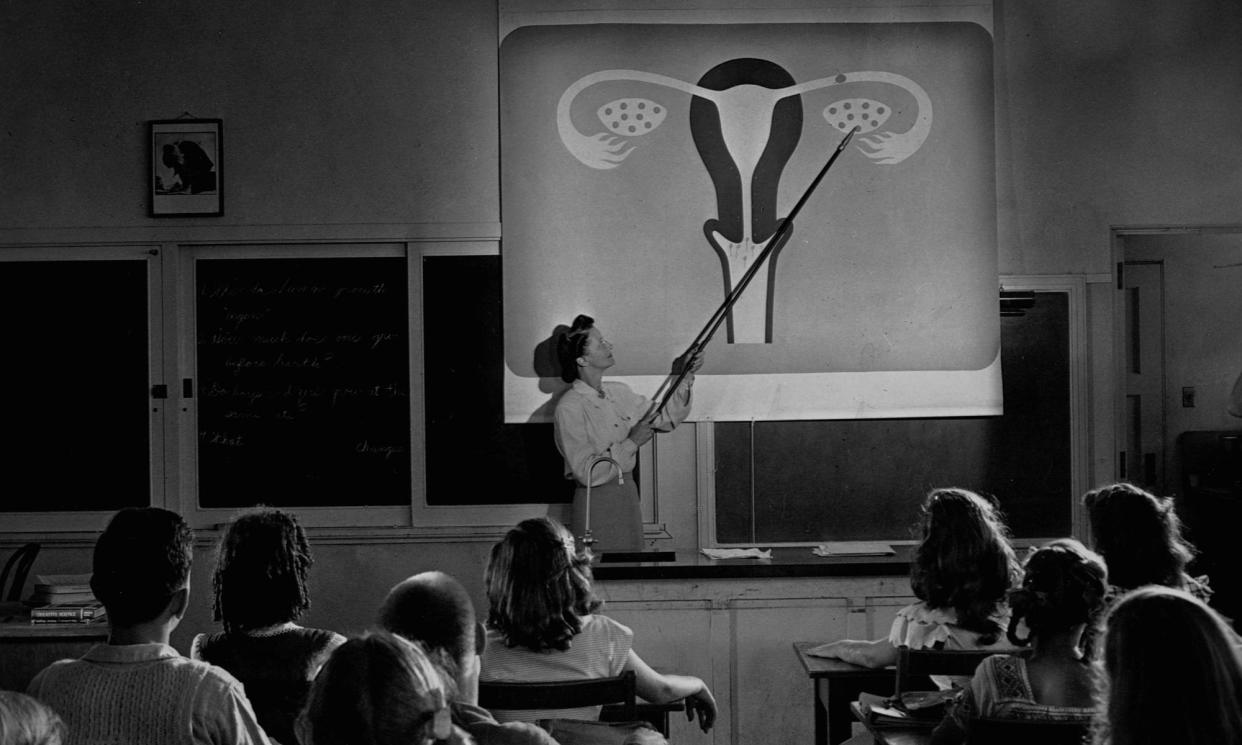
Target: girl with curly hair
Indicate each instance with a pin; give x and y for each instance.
(260, 591)
(1063, 587)
(543, 625)
(961, 571)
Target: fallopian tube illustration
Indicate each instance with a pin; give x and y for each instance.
(745, 119)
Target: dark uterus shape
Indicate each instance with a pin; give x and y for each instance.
(745, 137)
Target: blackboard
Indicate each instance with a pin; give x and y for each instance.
(473, 457)
(864, 479)
(75, 433)
(302, 381)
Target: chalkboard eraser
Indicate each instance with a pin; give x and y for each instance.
(853, 548)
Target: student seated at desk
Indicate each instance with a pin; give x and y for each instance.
(260, 590)
(26, 721)
(434, 610)
(1172, 673)
(542, 625)
(379, 689)
(1140, 537)
(137, 688)
(962, 569)
(1062, 588)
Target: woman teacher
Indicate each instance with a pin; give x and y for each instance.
(596, 419)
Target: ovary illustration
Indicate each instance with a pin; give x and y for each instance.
(746, 118)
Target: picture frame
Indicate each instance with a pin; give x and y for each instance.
(186, 167)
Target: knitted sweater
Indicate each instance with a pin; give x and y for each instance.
(146, 694)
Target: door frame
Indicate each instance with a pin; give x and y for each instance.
(1117, 238)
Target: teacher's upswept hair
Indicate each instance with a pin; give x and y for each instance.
(964, 560)
(571, 345)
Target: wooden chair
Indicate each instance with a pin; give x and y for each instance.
(1028, 732)
(567, 694)
(915, 665)
(19, 563)
(617, 696)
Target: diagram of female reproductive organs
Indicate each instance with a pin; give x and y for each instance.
(736, 108)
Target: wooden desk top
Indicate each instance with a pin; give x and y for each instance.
(822, 667)
(786, 561)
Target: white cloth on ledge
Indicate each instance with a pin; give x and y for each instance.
(737, 553)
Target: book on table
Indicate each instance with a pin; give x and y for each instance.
(85, 612)
(910, 709)
(60, 589)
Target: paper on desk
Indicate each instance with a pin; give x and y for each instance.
(853, 548)
(737, 553)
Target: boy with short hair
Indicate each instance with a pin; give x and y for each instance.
(136, 688)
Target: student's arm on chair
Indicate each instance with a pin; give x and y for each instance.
(659, 688)
(874, 654)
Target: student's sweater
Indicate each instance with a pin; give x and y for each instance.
(146, 694)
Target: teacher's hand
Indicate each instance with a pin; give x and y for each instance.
(690, 364)
(641, 432)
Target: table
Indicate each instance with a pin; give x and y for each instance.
(27, 648)
(889, 735)
(837, 685)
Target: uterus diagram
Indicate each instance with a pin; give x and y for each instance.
(746, 119)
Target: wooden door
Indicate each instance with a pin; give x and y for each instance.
(1142, 459)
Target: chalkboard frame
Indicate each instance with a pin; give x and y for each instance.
(413, 518)
(365, 516)
(1074, 287)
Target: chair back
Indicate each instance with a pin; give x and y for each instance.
(19, 563)
(1028, 732)
(561, 694)
(914, 665)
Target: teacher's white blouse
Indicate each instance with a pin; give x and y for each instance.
(588, 426)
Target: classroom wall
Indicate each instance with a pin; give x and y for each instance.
(1114, 112)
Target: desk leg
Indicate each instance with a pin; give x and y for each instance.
(821, 711)
(833, 718)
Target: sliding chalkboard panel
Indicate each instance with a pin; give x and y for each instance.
(473, 457)
(302, 381)
(75, 432)
(864, 479)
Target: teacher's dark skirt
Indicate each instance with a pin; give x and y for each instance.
(616, 520)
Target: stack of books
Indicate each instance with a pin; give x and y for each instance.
(88, 612)
(64, 599)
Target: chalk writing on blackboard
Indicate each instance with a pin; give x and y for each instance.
(303, 381)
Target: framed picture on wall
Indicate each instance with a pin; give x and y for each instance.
(187, 167)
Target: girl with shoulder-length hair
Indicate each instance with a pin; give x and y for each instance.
(1140, 537)
(260, 590)
(1171, 673)
(542, 625)
(380, 689)
(961, 571)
